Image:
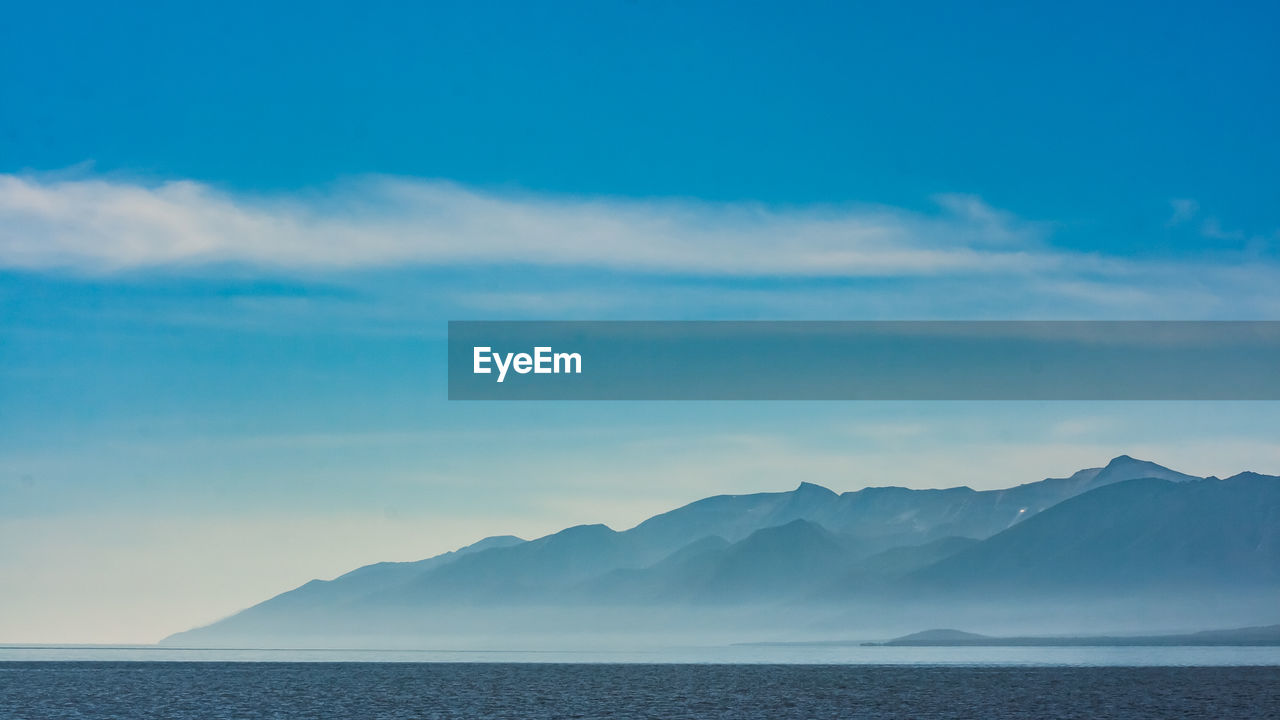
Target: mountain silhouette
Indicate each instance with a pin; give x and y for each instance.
(1127, 529)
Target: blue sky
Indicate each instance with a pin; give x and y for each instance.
(230, 237)
(1088, 115)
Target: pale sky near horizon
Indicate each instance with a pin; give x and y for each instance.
(230, 241)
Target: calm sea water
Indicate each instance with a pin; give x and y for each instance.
(537, 691)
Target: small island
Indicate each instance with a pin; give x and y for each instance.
(1258, 636)
(1267, 635)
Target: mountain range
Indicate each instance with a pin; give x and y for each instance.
(1131, 532)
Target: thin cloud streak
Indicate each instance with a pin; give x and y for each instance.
(965, 259)
(101, 226)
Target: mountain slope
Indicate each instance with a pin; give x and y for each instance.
(895, 516)
(319, 599)
(534, 571)
(1139, 535)
(874, 573)
(779, 561)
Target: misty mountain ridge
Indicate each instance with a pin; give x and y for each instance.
(1142, 533)
(1129, 526)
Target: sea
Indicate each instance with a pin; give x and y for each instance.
(769, 683)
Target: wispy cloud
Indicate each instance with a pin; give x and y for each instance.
(1183, 210)
(100, 225)
(1213, 229)
(965, 257)
(1254, 246)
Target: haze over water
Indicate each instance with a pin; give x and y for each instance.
(742, 654)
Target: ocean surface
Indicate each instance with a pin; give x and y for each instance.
(537, 691)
